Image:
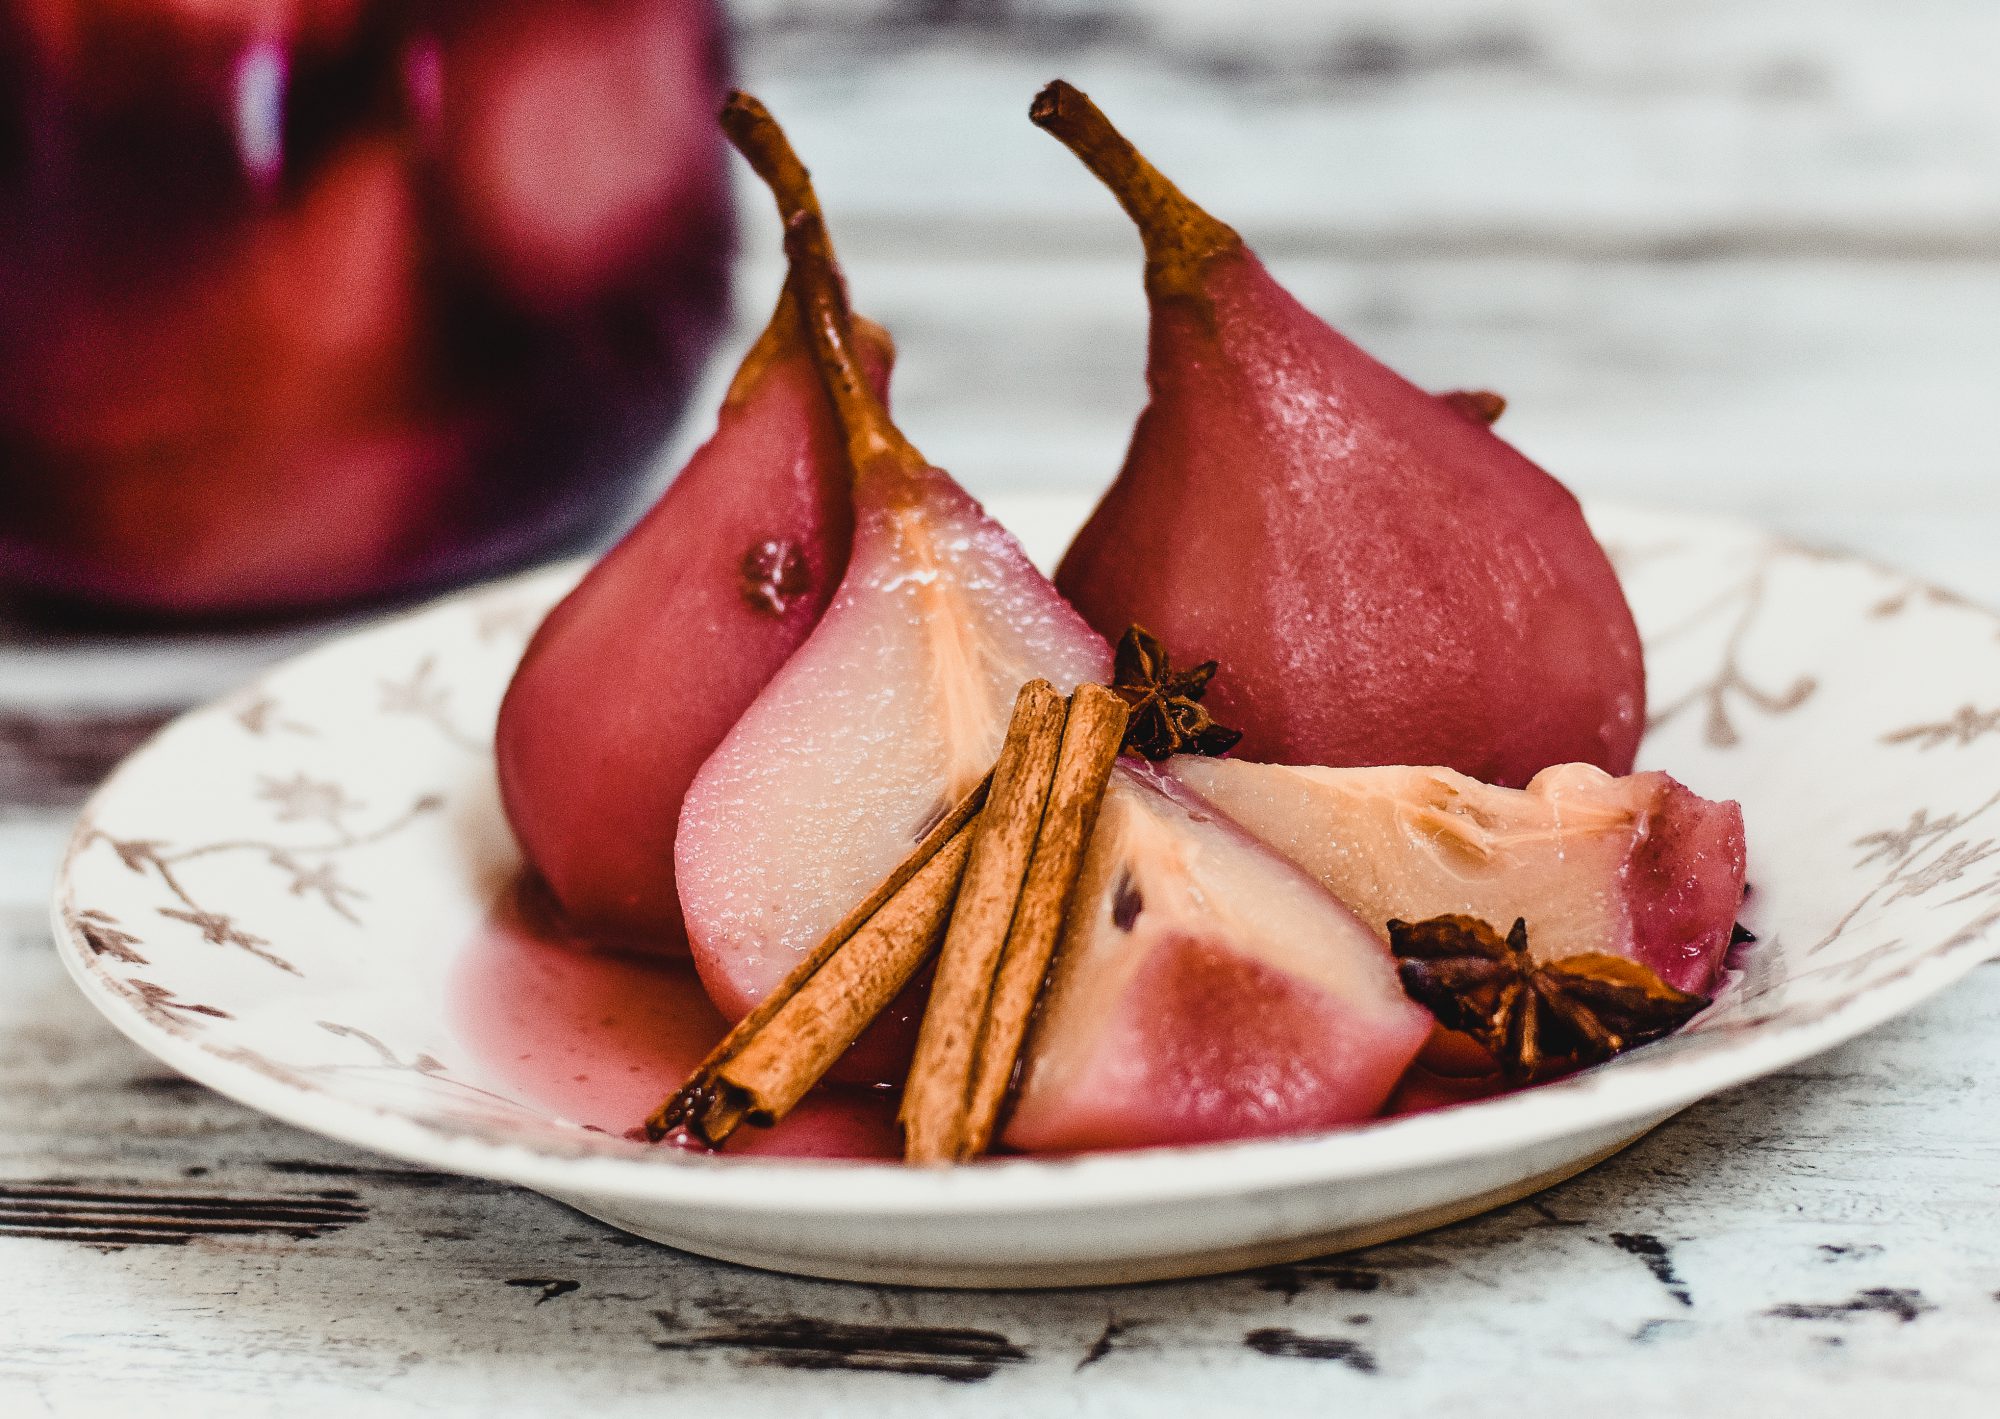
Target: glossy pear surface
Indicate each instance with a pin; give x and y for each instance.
(635, 677)
(1638, 866)
(1383, 579)
(1204, 990)
(891, 711)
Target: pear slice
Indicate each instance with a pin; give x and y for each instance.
(888, 714)
(896, 704)
(1205, 989)
(1638, 866)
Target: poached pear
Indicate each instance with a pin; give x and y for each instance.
(1384, 579)
(897, 703)
(1204, 989)
(636, 675)
(1639, 866)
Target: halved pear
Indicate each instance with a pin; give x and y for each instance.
(889, 713)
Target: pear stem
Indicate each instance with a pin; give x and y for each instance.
(780, 333)
(815, 283)
(1180, 237)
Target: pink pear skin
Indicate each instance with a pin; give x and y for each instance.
(1384, 580)
(1205, 990)
(635, 677)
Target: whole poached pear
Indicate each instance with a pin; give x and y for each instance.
(637, 675)
(1384, 580)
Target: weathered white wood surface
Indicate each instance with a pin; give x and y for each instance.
(1724, 253)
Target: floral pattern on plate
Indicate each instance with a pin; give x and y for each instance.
(270, 894)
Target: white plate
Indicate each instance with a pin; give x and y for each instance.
(270, 895)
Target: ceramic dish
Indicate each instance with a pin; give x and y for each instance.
(270, 897)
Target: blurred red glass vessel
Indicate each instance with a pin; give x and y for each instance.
(305, 302)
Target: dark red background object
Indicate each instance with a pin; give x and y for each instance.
(314, 302)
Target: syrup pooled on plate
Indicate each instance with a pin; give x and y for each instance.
(594, 1037)
(597, 1038)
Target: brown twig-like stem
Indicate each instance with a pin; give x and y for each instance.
(1482, 406)
(873, 440)
(1003, 841)
(696, 1100)
(1180, 237)
(1090, 742)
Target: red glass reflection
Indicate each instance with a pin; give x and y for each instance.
(309, 302)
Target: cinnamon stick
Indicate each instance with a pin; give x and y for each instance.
(1003, 841)
(698, 1105)
(993, 880)
(780, 1063)
(1092, 735)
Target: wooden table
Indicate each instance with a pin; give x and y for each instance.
(1738, 256)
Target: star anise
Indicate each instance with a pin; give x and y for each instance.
(1533, 1015)
(1166, 713)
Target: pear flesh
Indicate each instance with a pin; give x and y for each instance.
(1638, 866)
(1205, 990)
(884, 718)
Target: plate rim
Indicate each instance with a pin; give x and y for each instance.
(1599, 1098)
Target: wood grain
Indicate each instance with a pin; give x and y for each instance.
(1728, 255)
(52, 759)
(1831, 1224)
